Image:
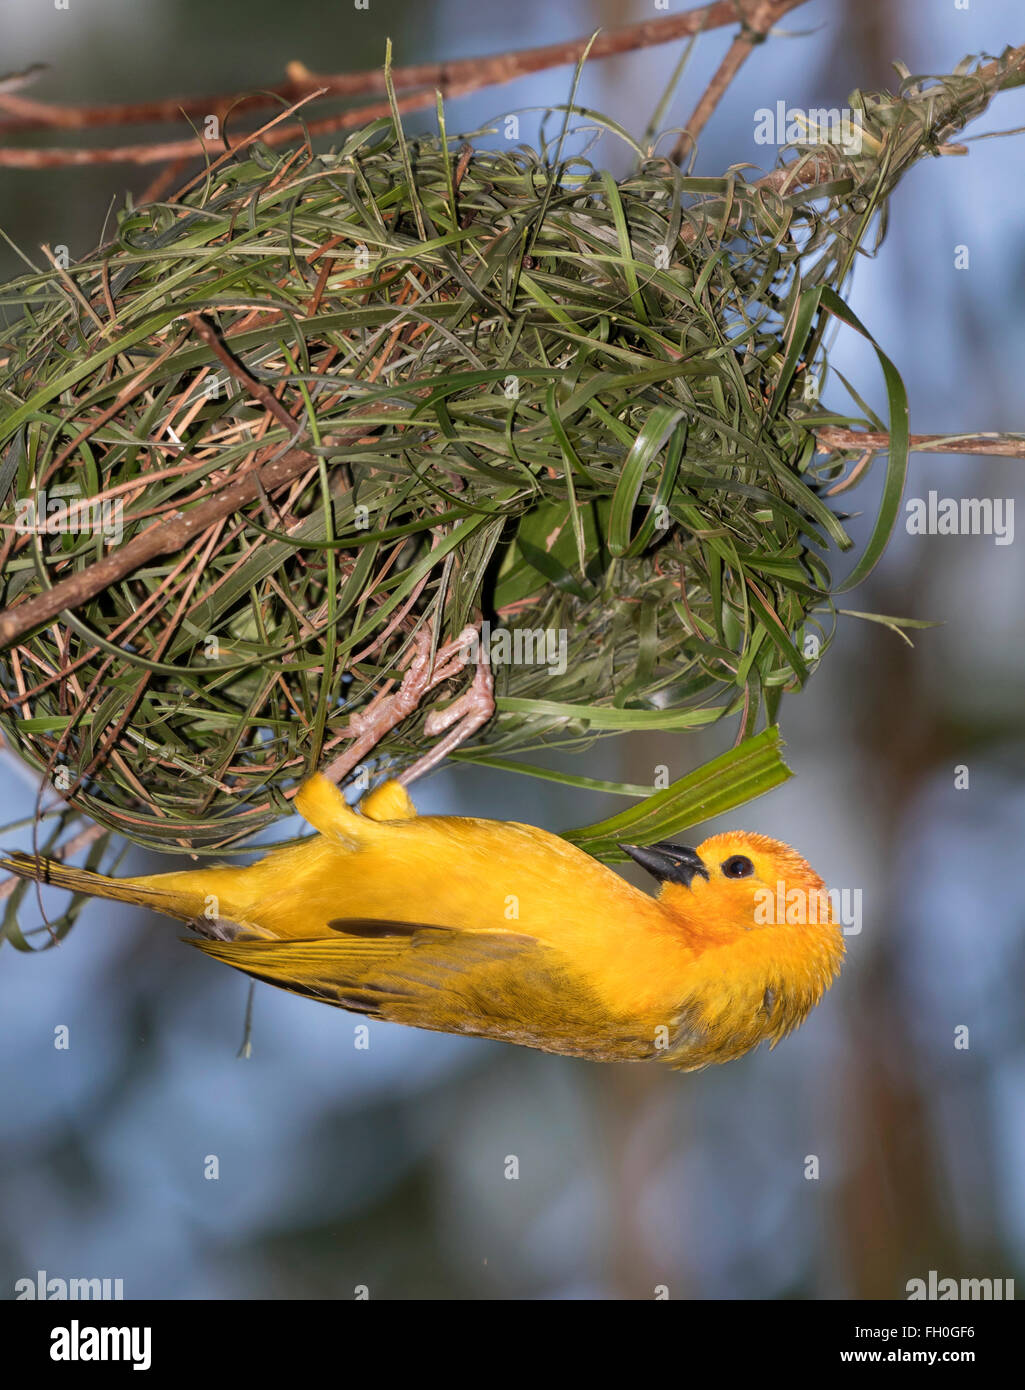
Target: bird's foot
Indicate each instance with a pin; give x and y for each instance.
(423, 674)
(463, 717)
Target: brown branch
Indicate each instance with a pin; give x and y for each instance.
(465, 74)
(417, 85)
(272, 133)
(163, 538)
(756, 21)
(205, 330)
(829, 439)
(196, 146)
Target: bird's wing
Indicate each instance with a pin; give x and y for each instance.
(493, 984)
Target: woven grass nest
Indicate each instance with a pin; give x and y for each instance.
(476, 385)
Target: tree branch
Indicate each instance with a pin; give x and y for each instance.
(417, 86)
(829, 439)
(164, 537)
(756, 23)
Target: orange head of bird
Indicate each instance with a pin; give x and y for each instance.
(736, 882)
(763, 927)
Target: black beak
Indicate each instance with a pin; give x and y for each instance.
(668, 863)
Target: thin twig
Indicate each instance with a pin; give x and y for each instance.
(757, 19)
(829, 439)
(205, 330)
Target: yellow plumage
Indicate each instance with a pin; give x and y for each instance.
(503, 930)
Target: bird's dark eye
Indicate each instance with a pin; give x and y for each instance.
(737, 866)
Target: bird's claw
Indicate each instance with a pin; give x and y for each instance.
(423, 673)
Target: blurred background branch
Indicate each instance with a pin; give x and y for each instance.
(416, 87)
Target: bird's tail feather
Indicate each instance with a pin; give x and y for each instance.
(174, 903)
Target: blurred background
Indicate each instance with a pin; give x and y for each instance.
(385, 1168)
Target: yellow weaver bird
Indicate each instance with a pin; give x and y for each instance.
(501, 930)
